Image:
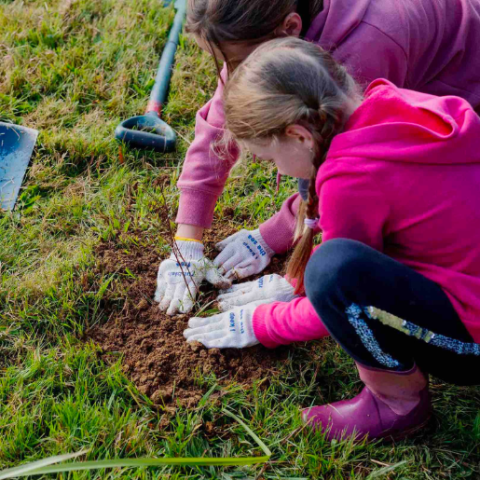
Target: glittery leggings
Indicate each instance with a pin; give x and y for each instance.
(386, 315)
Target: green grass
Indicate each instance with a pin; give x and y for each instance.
(73, 69)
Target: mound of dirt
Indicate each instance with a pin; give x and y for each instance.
(155, 354)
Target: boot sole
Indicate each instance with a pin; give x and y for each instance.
(406, 433)
(389, 438)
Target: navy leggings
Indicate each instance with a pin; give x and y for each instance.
(386, 315)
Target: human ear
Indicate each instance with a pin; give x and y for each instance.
(301, 135)
(291, 26)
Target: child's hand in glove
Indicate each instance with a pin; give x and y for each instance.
(232, 329)
(178, 283)
(267, 289)
(243, 254)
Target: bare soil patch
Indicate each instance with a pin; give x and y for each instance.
(155, 354)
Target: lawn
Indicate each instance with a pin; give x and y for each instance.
(73, 69)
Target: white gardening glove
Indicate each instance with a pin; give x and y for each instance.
(232, 329)
(267, 289)
(177, 290)
(243, 254)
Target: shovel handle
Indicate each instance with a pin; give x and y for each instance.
(149, 131)
(164, 72)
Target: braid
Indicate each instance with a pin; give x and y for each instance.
(330, 125)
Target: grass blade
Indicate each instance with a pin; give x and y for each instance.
(28, 468)
(141, 462)
(250, 432)
(44, 467)
(385, 470)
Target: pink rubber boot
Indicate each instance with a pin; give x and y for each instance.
(392, 404)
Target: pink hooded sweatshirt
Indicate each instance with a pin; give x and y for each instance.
(427, 45)
(403, 178)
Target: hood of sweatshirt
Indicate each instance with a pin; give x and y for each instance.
(336, 21)
(399, 125)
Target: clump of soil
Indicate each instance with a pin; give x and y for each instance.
(156, 356)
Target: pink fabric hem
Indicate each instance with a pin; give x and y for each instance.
(260, 317)
(196, 208)
(277, 238)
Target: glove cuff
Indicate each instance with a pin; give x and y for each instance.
(189, 250)
(258, 237)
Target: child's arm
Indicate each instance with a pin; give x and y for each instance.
(203, 178)
(282, 323)
(244, 326)
(207, 165)
(278, 231)
(248, 252)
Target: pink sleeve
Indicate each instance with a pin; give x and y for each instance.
(281, 323)
(206, 166)
(279, 230)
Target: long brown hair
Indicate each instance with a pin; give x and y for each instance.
(251, 21)
(285, 82)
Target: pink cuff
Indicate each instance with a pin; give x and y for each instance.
(260, 326)
(196, 208)
(277, 235)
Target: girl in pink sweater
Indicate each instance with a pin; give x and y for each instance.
(394, 187)
(426, 45)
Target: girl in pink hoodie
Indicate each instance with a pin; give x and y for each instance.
(426, 45)
(394, 188)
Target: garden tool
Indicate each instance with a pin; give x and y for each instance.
(149, 131)
(16, 148)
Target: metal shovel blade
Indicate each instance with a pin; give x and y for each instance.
(16, 148)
